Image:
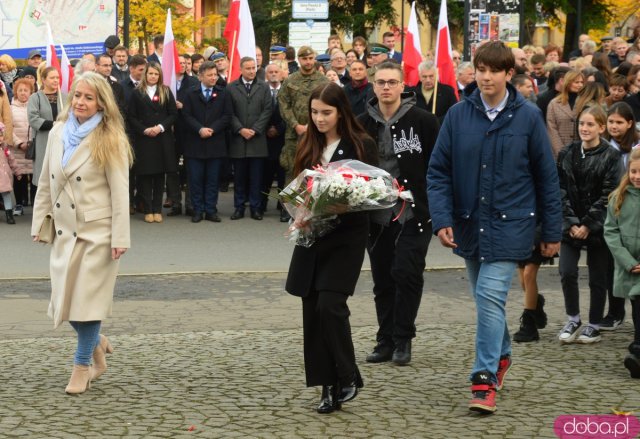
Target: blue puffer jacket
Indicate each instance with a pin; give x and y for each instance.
(490, 180)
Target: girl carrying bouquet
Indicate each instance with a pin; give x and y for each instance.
(325, 274)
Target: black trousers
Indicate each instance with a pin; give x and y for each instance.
(152, 189)
(397, 255)
(597, 262)
(21, 189)
(329, 356)
(616, 304)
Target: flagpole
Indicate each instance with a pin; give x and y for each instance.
(435, 95)
(232, 55)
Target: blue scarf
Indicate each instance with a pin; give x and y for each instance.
(74, 132)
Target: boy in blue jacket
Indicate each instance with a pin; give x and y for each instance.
(491, 175)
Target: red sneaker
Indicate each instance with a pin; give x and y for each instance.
(484, 393)
(503, 367)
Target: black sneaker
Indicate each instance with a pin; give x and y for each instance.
(402, 353)
(569, 332)
(610, 323)
(589, 335)
(528, 331)
(632, 363)
(539, 314)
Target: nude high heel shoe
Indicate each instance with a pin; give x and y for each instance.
(100, 358)
(80, 380)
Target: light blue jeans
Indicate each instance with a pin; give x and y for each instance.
(490, 283)
(88, 339)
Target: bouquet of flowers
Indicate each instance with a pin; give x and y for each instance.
(316, 196)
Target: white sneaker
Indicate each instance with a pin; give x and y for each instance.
(569, 332)
(589, 335)
(18, 210)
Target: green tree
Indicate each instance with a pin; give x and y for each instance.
(148, 18)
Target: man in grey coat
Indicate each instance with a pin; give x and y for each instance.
(251, 99)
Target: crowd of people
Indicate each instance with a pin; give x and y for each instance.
(527, 159)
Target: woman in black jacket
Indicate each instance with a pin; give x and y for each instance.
(325, 274)
(588, 170)
(151, 113)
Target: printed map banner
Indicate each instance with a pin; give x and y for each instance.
(80, 25)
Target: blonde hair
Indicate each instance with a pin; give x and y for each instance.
(618, 195)
(110, 144)
(163, 90)
(569, 79)
(39, 78)
(8, 61)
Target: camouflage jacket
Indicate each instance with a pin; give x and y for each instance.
(293, 99)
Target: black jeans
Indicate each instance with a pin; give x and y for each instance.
(329, 356)
(152, 190)
(597, 262)
(397, 254)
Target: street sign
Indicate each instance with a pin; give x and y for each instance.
(310, 9)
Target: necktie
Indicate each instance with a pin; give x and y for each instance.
(207, 94)
(247, 85)
(274, 96)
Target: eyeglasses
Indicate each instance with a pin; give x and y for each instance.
(338, 58)
(392, 83)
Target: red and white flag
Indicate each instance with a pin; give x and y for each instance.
(239, 34)
(170, 62)
(444, 62)
(412, 55)
(64, 68)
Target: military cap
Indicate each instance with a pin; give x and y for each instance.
(378, 49)
(606, 38)
(323, 58)
(277, 49)
(218, 55)
(305, 51)
(208, 52)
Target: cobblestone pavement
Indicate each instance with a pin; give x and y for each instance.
(220, 356)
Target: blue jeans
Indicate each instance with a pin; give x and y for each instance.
(247, 179)
(490, 283)
(204, 175)
(88, 339)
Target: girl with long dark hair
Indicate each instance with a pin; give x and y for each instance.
(325, 274)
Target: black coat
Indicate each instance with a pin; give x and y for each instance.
(153, 155)
(446, 99)
(188, 84)
(215, 114)
(585, 203)
(274, 144)
(334, 261)
(358, 97)
(634, 102)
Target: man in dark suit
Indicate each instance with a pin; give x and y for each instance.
(137, 65)
(339, 65)
(120, 69)
(251, 99)
(275, 140)
(359, 90)
(158, 47)
(222, 67)
(426, 93)
(207, 113)
(184, 84)
(104, 65)
(389, 40)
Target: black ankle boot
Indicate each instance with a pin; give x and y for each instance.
(10, 219)
(329, 400)
(528, 331)
(632, 360)
(349, 390)
(539, 315)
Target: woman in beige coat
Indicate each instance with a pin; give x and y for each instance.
(85, 186)
(561, 115)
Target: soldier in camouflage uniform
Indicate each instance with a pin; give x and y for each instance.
(293, 100)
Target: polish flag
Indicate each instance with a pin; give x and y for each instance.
(444, 62)
(412, 56)
(64, 68)
(239, 34)
(170, 62)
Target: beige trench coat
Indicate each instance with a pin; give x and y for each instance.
(90, 208)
